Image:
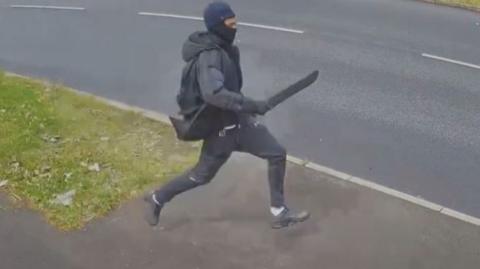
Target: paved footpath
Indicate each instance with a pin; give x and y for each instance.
(225, 225)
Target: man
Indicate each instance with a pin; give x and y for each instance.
(213, 76)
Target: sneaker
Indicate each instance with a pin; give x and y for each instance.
(152, 213)
(289, 217)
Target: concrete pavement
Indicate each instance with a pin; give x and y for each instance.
(225, 225)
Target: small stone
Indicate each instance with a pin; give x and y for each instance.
(45, 169)
(67, 175)
(15, 165)
(65, 199)
(3, 183)
(94, 167)
(83, 164)
(54, 139)
(45, 175)
(89, 217)
(104, 138)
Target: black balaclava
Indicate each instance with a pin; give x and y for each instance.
(214, 17)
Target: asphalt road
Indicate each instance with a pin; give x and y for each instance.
(379, 110)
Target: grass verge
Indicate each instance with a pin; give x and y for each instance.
(75, 158)
(467, 4)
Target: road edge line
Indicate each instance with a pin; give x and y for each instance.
(248, 24)
(452, 61)
(48, 7)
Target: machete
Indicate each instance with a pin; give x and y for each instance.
(198, 127)
(291, 90)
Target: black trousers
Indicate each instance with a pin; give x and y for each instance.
(252, 138)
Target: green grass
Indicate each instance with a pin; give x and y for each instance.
(49, 137)
(461, 3)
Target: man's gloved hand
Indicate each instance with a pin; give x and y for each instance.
(261, 107)
(254, 107)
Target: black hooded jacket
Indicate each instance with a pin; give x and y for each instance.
(213, 76)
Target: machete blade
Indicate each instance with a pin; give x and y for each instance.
(291, 90)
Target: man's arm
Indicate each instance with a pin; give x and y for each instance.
(212, 86)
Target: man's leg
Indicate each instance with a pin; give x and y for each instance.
(201, 174)
(257, 140)
(215, 152)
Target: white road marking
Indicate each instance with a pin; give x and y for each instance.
(296, 160)
(460, 216)
(451, 61)
(394, 193)
(261, 26)
(275, 28)
(170, 16)
(47, 7)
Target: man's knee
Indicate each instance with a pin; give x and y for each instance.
(203, 174)
(280, 155)
(201, 179)
(206, 169)
(281, 152)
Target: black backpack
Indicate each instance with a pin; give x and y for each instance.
(194, 121)
(189, 99)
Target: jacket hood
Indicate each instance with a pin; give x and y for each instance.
(198, 42)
